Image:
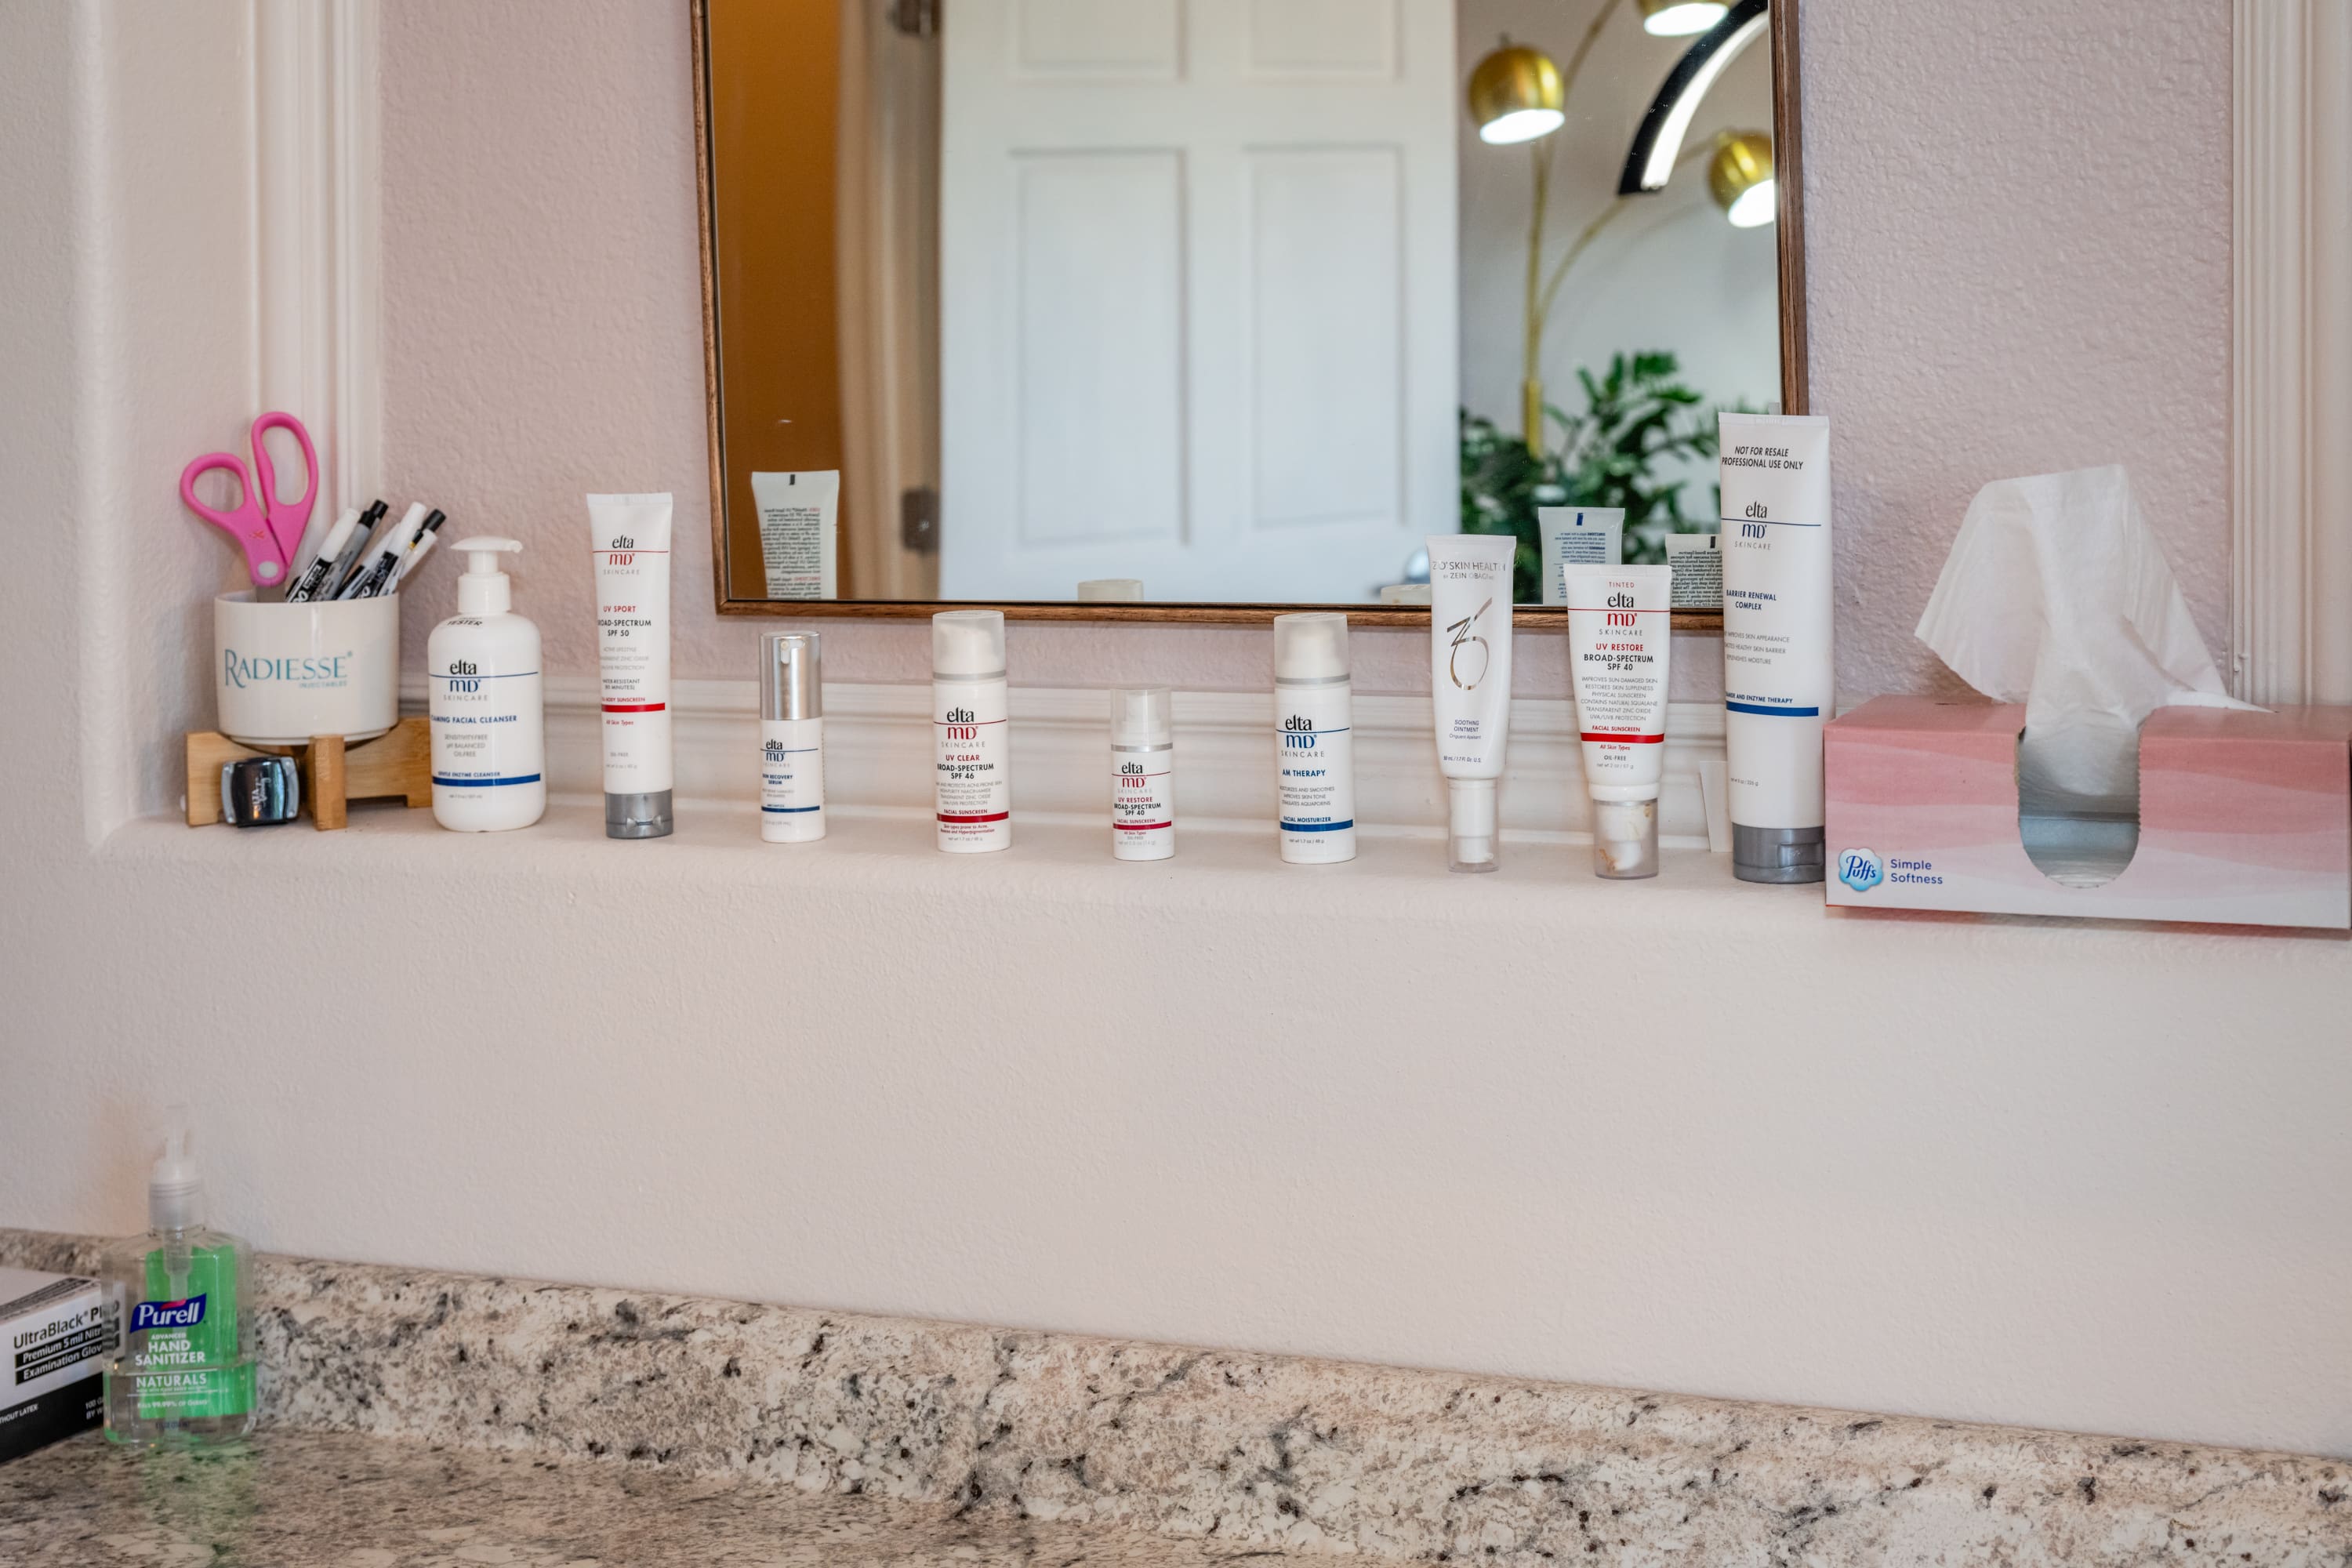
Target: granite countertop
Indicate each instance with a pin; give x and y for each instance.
(330, 1499)
(412, 1417)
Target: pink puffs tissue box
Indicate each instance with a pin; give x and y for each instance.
(2245, 818)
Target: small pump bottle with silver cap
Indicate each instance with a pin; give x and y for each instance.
(792, 738)
(1143, 775)
(1315, 758)
(484, 700)
(973, 781)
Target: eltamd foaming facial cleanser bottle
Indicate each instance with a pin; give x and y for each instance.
(792, 738)
(1142, 773)
(974, 784)
(1779, 685)
(1314, 761)
(1470, 683)
(483, 698)
(629, 540)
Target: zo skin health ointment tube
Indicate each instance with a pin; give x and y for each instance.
(1143, 775)
(1315, 759)
(629, 541)
(1620, 639)
(1778, 676)
(792, 738)
(1470, 679)
(974, 782)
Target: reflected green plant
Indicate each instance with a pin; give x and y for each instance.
(1638, 426)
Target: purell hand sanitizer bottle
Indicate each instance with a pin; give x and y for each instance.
(181, 1373)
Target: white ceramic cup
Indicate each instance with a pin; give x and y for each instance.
(283, 673)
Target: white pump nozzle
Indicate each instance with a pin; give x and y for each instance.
(483, 589)
(175, 1188)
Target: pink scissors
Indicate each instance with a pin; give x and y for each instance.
(268, 530)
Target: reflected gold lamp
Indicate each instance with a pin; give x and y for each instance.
(1741, 176)
(1518, 95)
(1681, 18)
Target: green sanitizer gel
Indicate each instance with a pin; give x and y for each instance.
(182, 1374)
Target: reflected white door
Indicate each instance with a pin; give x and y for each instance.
(1197, 295)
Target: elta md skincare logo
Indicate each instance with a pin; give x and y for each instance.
(183, 1314)
(1860, 870)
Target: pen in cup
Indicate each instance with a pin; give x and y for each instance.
(318, 557)
(383, 558)
(313, 533)
(347, 558)
(417, 552)
(336, 554)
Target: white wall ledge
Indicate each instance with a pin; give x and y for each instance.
(1398, 880)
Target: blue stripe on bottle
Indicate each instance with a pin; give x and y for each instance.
(1772, 712)
(1317, 826)
(516, 779)
(789, 810)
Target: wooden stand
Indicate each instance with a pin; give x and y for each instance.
(397, 763)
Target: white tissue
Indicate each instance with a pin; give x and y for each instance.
(2056, 593)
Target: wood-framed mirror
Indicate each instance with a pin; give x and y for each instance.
(1208, 310)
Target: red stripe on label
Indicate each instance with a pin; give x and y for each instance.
(1628, 739)
(992, 817)
(1140, 826)
(635, 707)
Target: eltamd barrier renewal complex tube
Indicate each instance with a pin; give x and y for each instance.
(1470, 682)
(1778, 675)
(629, 539)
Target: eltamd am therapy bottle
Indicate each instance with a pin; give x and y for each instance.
(1143, 775)
(973, 781)
(792, 738)
(1314, 761)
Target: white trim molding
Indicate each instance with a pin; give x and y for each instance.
(2291, 480)
(877, 752)
(317, 259)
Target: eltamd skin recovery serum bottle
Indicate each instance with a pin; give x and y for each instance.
(792, 738)
(972, 784)
(1315, 759)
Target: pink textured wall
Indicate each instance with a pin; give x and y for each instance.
(2018, 217)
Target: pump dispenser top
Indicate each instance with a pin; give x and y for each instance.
(967, 645)
(175, 1187)
(1310, 646)
(484, 589)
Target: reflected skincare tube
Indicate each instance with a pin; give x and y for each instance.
(1619, 643)
(1470, 683)
(1778, 682)
(629, 540)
